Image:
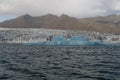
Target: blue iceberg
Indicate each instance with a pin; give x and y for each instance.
(58, 38)
(62, 41)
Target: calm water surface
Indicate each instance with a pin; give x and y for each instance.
(18, 62)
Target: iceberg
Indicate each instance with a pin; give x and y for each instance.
(62, 41)
(58, 38)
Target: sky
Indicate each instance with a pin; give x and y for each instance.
(76, 8)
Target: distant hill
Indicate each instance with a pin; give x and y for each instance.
(107, 24)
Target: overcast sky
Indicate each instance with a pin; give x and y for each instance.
(76, 8)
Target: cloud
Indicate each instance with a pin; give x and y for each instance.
(76, 8)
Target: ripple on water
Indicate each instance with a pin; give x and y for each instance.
(18, 62)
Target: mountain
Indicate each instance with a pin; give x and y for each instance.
(46, 21)
(107, 24)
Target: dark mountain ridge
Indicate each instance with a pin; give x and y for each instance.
(107, 24)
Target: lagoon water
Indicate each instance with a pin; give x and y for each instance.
(20, 62)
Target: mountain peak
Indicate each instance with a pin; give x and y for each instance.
(64, 16)
(50, 15)
(27, 16)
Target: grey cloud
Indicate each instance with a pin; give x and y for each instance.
(76, 8)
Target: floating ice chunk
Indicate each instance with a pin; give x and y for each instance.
(74, 41)
(78, 38)
(58, 38)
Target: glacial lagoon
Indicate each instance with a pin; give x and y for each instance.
(26, 62)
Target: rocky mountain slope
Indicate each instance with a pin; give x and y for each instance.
(107, 24)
